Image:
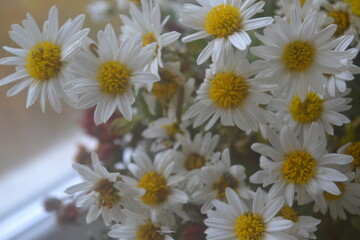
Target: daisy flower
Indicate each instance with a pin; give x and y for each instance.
(302, 167)
(236, 220)
(172, 91)
(137, 226)
(106, 74)
(225, 21)
(304, 226)
(196, 154)
(338, 81)
(229, 93)
(326, 111)
(341, 15)
(348, 200)
(216, 178)
(165, 131)
(353, 149)
(104, 193)
(161, 196)
(42, 61)
(148, 23)
(297, 54)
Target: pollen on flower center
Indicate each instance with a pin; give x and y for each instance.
(298, 167)
(157, 190)
(109, 195)
(227, 180)
(331, 197)
(223, 20)
(298, 56)
(173, 129)
(249, 226)
(355, 6)
(113, 77)
(354, 151)
(194, 161)
(302, 2)
(308, 111)
(289, 213)
(43, 61)
(341, 19)
(148, 38)
(149, 231)
(227, 90)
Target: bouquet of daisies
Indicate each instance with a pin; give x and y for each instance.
(186, 106)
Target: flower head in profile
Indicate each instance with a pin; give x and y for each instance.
(297, 54)
(195, 154)
(138, 226)
(303, 227)
(338, 82)
(173, 91)
(106, 73)
(214, 179)
(237, 220)
(43, 59)
(347, 201)
(226, 22)
(230, 93)
(148, 23)
(352, 149)
(299, 166)
(102, 192)
(164, 131)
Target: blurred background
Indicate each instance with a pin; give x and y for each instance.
(27, 132)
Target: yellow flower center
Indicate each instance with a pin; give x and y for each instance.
(113, 78)
(227, 90)
(302, 2)
(173, 129)
(249, 226)
(331, 197)
(149, 231)
(43, 61)
(149, 38)
(194, 161)
(289, 213)
(298, 167)
(109, 195)
(355, 6)
(354, 151)
(156, 188)
(166, 87)
(298, 56)
(308, 111)
(223, 20)
(226, 180)
(341, 19)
